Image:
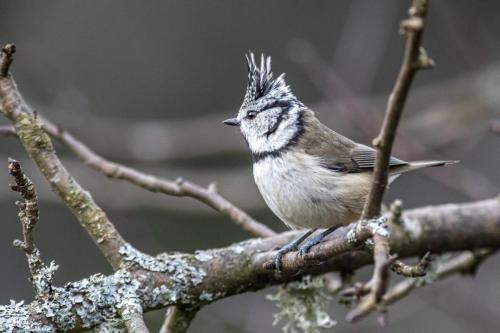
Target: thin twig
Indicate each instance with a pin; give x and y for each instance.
(177, 319)
(414, 59)
(179, 188)
(463, 263)
(7, 131)
(39, 146)
(41, 275)
(28, 208)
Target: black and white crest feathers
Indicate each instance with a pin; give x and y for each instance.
(261, 82)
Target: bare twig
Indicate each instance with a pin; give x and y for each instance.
(41, 275)
(177, 319)
(362, 115)
(415, 58)
(39, 146)
(465, 262)
(28, 208)
(179, 188)
(7, 131)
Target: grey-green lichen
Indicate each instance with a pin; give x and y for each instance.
(379, 226)
(182, 274)
(303, 306)
(103, 301)
(210, 297)
(16, 317)
(88, 302)
(111, 326)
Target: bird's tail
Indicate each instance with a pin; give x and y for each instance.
(411, 166)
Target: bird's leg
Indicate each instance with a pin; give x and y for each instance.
(290, 247)
(315, 240)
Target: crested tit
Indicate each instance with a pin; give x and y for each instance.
(310, 176)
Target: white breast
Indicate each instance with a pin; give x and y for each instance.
(301, 192)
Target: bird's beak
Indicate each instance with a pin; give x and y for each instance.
(232, 122)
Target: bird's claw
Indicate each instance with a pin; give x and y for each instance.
(281, 252)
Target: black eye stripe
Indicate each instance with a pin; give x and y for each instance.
(282, 104)
(283, 113)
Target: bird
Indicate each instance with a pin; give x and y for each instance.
(310, 176)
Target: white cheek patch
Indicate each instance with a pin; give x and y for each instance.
(259, 142)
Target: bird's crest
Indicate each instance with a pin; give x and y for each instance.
(261, 82)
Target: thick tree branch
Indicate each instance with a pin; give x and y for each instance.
(193, 280)
(39, 146)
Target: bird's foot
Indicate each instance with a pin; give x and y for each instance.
(315, 240)
(290, 247)
(281, 252)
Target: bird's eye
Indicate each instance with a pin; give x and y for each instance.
(251, 115)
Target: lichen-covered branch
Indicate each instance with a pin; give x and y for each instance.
(39, 146)
(194, 280)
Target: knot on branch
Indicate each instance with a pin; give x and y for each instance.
(413, 24)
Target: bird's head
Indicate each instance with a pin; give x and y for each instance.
(270, 115)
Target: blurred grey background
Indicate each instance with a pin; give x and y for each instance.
(147, 84)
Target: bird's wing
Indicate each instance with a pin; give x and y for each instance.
(337, 152)
(361, 158)
(365, 157)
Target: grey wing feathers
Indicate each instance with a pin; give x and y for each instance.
(364, 157)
